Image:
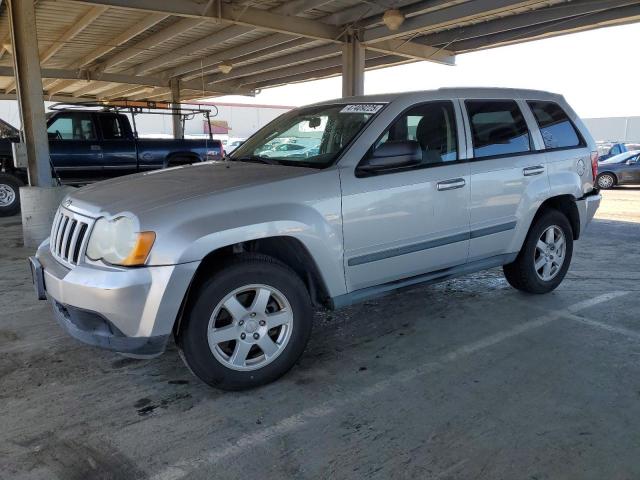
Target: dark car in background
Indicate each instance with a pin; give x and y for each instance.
(621, 169)
(91, 145)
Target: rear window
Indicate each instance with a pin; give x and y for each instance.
(555, 126)
(497, 128)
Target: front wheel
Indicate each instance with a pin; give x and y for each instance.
(545, 256)
(248, 325)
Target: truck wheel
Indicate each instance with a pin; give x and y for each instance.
(545, 256)
(9, 195)
(248, 325)
(606, 181)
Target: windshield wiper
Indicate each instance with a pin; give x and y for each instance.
(256, 159)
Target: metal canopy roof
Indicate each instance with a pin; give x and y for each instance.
(106, 49)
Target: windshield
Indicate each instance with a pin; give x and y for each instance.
(620, 158)
(309, 136)
(7, 131)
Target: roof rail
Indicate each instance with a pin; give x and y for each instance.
(141, 106)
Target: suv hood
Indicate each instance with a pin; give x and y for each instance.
(155, 189)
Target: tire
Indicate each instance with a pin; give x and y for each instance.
(606, 181)
(522, 273)
(239, 361)
(9, 195)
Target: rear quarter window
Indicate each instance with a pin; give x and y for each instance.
(557, 130)
(497, 128)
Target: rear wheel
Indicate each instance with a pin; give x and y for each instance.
(545, 256)
(9, 195)
(248, 325)
(606, 181)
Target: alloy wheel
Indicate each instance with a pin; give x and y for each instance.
(250, 327)
(549, 254)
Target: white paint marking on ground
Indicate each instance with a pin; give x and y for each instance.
(299, 420)
(604, 326)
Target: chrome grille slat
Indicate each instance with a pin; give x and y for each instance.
(69, 236)
(56, 227)
(72, 244)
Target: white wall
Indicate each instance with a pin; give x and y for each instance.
(244, 120)
(626, 129)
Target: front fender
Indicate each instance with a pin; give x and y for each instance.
(192, 232)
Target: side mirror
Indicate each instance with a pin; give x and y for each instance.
(632, 161)
(393, 154)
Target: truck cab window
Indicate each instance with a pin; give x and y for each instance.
(112, 127)
(72, 127)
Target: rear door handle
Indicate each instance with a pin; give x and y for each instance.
(95, 147)
(451, 184)
(534, 170)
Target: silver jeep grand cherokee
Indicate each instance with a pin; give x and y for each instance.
(386, 191)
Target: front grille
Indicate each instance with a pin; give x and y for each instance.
(69, 236)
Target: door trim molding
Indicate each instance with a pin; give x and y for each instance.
(438, 242)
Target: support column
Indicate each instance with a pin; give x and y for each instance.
(352, 67)
(26, 69)
(40, 200)
(175, 103)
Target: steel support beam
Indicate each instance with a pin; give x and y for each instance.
(528, 19)
(287, 8)
(228, 88)
(175, 103)
(303, 68)
(374, 63)
(253, 47)
(413, 50)
(276, 63)
(26, 62)
(617, 16)
(231, 13)
(353, 57)
(444, 16)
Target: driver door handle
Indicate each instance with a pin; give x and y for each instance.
(533, 170)
(451, 184)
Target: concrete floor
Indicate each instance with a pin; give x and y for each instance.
(464, 380)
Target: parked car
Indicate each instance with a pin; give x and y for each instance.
(232, 257)
(613, 149)
(88, 145)
(622, 169)
(286, 150)
(233, 144)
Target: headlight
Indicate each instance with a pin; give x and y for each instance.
(116, 241)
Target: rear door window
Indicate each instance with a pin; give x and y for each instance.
(497, 128)
(556, 128)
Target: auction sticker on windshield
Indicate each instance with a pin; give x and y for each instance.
(362, 108)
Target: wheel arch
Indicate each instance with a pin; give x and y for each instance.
(566, 204)
(286, 249)
(175, 159)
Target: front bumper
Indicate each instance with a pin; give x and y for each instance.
(587, 207)
(128, 310)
